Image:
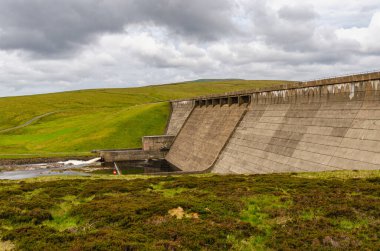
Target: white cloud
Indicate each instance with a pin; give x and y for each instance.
(367, 37)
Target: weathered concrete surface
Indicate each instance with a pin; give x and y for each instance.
(130, 155)
(180, 112)
(328, 124)
(154, 147)
(203, 136)
(328, 127)
(157, 143)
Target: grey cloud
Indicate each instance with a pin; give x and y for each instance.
(167, 59)
(48, 27)
(297, 13)
(204, 19)
(284, 27)
(294, 31)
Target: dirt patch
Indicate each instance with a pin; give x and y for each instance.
(179, 213)
(6, 246)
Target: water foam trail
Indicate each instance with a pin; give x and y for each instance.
(79, 162)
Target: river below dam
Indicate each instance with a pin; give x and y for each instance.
(137, 167)
(82, 168)
(25, 174)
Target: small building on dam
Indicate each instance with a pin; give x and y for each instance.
(321, 125)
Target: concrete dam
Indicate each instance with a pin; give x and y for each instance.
(321, 125)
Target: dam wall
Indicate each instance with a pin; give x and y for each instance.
(330, 124)
(180, 110)
(157, 143)
(203, 136)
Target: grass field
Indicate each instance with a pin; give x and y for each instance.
(309, 211)
(80, 121)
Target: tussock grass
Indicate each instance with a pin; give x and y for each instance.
(343, 175)
(61, 213)
(168, 192)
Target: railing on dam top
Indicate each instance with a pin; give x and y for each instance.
(341, 76)
(245, 96)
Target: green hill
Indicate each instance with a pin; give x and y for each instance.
(74, 123)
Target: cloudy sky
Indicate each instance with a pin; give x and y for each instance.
(50, 45)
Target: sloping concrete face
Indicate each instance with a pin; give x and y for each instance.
(203, 136)
(325, 127)
(180, 111)
(157, 143)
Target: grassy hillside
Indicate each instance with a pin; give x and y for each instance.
(328, 211)
(74, 123)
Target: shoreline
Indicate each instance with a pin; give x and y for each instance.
(40, 160)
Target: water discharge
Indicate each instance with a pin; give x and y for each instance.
(44, 169)
(82, 168)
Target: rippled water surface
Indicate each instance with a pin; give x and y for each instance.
(24, 174)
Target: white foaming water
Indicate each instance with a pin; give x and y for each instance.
(79, 162)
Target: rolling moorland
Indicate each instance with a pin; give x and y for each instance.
(308, 211)
(74, 123)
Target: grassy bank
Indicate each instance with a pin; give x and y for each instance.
(74, 123)
(336, 210)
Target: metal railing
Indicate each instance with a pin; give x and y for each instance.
(342, 75)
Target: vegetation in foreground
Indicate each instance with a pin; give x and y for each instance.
(74, 123)
(336, 210)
